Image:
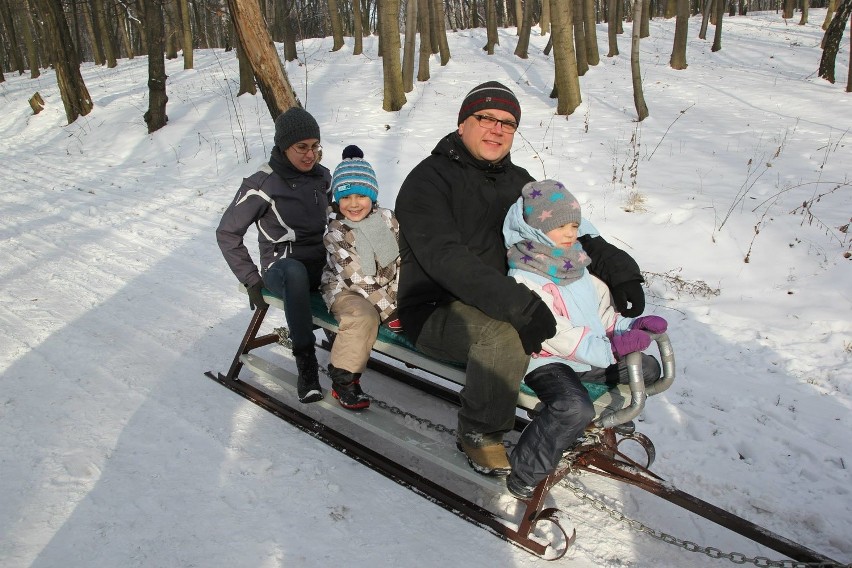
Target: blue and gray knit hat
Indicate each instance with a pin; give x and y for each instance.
(548, 204)
(354, 176)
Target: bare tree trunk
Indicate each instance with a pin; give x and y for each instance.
(828, 13)
(789, 7)
(140, 28)
(103, 32)
(394, 98)
(379, 30)
(433, 27)
(566, 85)
(678, 58)
(832, 38)
(612, 27)
(705, 18)
(441, 32)
(524, 31)
(358, 26)
(804, 19)
(580, 39)
(410, 44)
(336, 25)
(849, 70)
(88, 18)
(285, 7)
(638, 95)
(425, 40)
(645, 28)
(124, 30)
(619, 20)
(170, 20)
(202, 19)
(12, 37)
(247, 84)
(491, 27)
(257, 45)
(593, 56)
(186, 35)
(544, 21)
(365, 15)
(719, 6)
(518, 11)
(30, 41)
(156, 117)
(75, 95)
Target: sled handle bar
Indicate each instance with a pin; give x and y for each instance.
(638, 392)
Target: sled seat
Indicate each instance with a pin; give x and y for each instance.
(613, 405)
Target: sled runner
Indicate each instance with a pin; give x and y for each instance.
(394, 442)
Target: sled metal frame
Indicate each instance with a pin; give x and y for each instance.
(598, 453)
(446, 498)
(380, 463)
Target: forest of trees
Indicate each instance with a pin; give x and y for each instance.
(61, 34)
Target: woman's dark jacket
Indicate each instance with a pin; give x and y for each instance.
(289, 209)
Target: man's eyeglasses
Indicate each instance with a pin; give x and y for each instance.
(488, 123)
(301, 148)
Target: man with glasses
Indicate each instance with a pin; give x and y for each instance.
(287, 200)
(456, 301)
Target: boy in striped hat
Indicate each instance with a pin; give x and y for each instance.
(359, 284)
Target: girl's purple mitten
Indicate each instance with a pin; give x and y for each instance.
(653, 324)
(630, 341)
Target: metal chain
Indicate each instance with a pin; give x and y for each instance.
(735, 557)
(284, 340)
(396, 411)
(593, 437)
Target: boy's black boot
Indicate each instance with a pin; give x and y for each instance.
(308, 385)
(346, 388)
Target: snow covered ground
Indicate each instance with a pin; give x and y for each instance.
(115, 450)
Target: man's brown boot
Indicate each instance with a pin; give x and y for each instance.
(487, 460)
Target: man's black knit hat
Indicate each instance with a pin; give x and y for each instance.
(294, 125)
(492, 95)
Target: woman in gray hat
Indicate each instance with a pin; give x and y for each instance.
(287, 201)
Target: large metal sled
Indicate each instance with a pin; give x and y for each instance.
(387, 440)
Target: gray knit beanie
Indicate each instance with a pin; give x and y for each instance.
(548, 204)
(492, 95)
(294, 125)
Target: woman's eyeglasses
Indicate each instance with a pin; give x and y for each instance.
(303, 149)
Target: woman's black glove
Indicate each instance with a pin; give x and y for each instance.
(631, 292)
(541, 326)
(255, 294)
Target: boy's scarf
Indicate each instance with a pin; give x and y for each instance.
(558, 265)
(374, 241)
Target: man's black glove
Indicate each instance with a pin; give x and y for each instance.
(256, 296)
(631, 292)
(541, 326)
